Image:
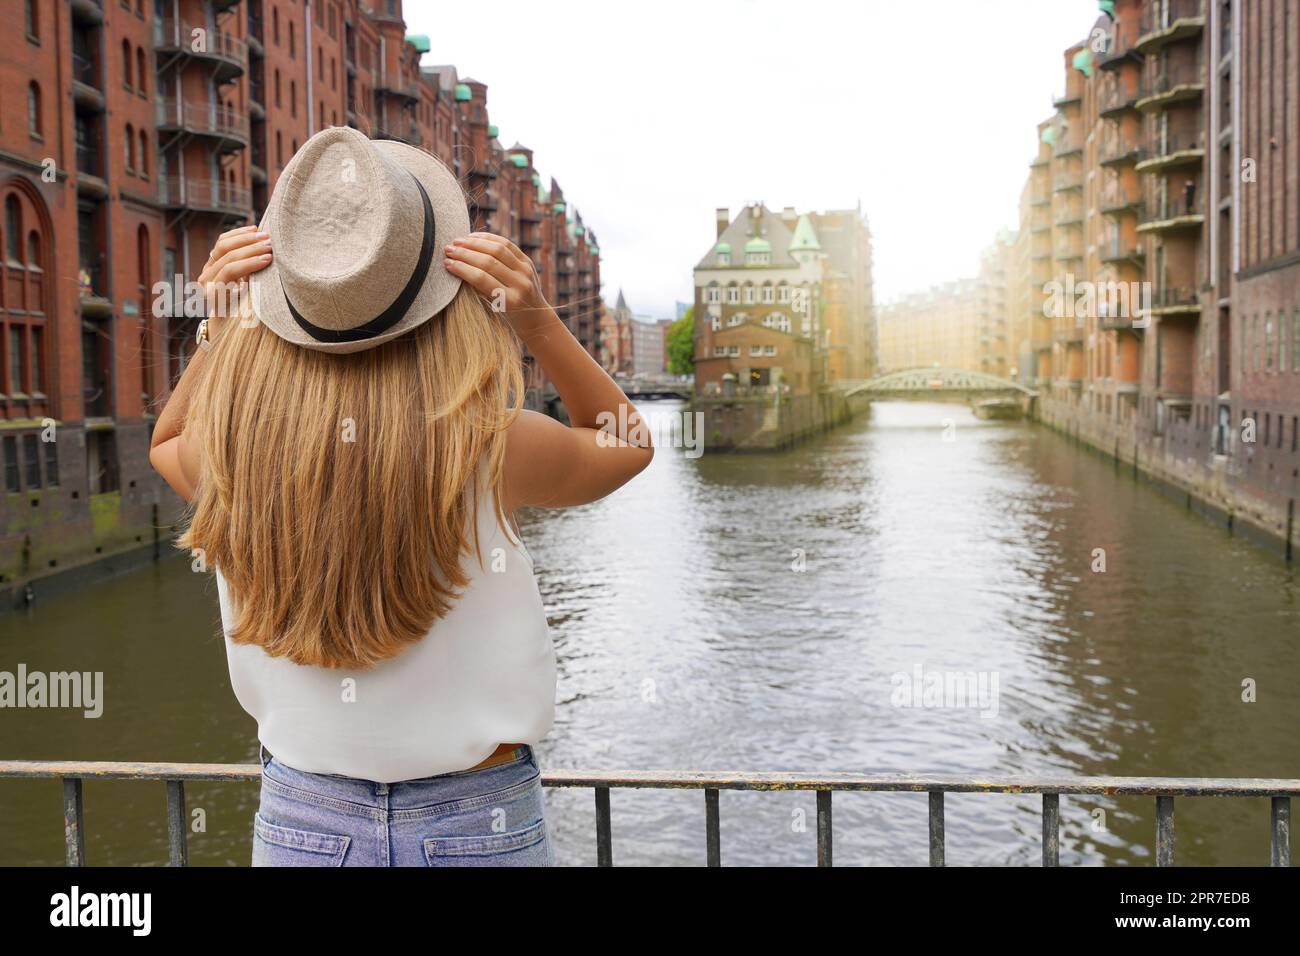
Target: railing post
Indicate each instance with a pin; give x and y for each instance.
(604, 851)
(712, 837)
(1281, 843)
(74, 833)
(823, 828)
(178, 849)
(936, 828)
(1051, 829)
(1164, 831)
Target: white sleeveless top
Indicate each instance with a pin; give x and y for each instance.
(484, 675)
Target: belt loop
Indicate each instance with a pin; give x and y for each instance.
(263, 756)
(381, 789)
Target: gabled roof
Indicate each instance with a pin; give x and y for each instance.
(768, 226)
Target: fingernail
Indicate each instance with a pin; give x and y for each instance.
(266, 258)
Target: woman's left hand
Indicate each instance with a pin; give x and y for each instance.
(496, 269)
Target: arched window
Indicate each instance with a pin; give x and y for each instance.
(293, 97)
(143, 256)
(277, 87)
(144, 154)
(279, 149)
(126, 63)
(141, 86)
(34, 250)
(33, 19)
(34, 109)
(275, 25)
(292, 45)
(129, 148)
(13, 231)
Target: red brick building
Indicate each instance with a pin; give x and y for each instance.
(132, 133)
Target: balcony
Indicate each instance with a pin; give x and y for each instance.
(93, 290)
(1119, 251)
(1067, 179)
(1069, 247)
(229, 128)
(1169, 22)
(394, 86)
(1175, 300)
(1068, 98)
(88, 12)
(1115, 200)
(1067, 146)
(1118, 149)
(1116, 98)
(1120, 47)
(1068, 214)
(227, 54)
(204, 195)
(1173, 215)
(1173, 151)
(90, 168)
(86, 83)
(1170, 87)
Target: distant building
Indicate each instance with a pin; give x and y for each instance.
(647, 347)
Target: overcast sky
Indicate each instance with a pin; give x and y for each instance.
(651, 115)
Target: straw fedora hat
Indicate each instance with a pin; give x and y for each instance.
(358, 227)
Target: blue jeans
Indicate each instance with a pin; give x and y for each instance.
(495, 816)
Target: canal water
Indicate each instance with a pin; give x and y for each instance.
(772, 613)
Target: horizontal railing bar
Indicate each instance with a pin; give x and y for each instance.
(675, 779)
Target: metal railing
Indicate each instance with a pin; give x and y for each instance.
(187, 38)
(1164, 789)
(1162, 16)
(211, 119)
(204, 194)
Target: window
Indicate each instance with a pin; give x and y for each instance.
(34, 335)
(755, 351)
(1268, 341)
(279, 149)
(749, 295)
(34, 110)
(144, 155)
(13, 229)
(719, 351)
(33, 251)
(126, 63)
(32, 460)
(724, 258)
(320, 62)
(12, 484)
(1295, 339)
(738, 318)
(733, 296)
(275, 25)
(141, 73)
(769, 350)
(15, 360)
(733, 351)
(713, 294)
(768, 295)
(142, 256)
(51, 464)
(33, 19)
(293, 97)
(292, 43)
(715, 323)
(783, 293)
(778, 321)
(128, 148)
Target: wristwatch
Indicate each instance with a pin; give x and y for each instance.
(201, 336)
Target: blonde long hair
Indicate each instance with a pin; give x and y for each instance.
(338, 493)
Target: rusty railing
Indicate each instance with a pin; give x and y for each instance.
(1164, 789)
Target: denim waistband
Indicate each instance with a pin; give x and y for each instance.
(447, 788)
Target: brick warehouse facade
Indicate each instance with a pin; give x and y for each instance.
(1175, 158)
(133, 132)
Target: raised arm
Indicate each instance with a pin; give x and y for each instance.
(607, 443)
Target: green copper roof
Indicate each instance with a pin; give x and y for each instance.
(519, 159)
(1049, 135)
(537, 180)
(463, 93)
(1083, 62)
(595, 250)
(723, 247)
(559, 207)
(1107, 7)
(419, 41)
(805, 237)
(758, 244)
(579, 230)
(492, 131)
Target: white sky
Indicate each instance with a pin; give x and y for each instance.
(651, 115)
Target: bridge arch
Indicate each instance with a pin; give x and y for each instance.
(948, 382)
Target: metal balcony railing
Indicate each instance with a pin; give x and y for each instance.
(1174, 297)
(209, 119)
(90, 159)
(1118, 148)
(1164, 789)
(1115, 198)
(1172, 209)
(191, 40)
(1164, 14)
(204, 195)
(85, 70)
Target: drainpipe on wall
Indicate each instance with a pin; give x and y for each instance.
(311, 104)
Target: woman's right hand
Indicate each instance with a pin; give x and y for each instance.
(237, 255)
